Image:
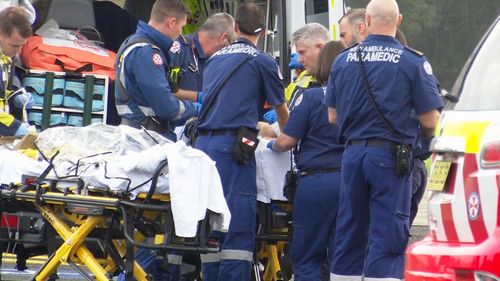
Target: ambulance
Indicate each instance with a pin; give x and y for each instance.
(464, 182)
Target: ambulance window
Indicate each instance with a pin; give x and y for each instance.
(481, 86)
(317, 11)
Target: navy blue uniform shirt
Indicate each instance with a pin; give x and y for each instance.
(402, 84)
(186, 53)
(143, 72)
(308, 122)
(240, 102)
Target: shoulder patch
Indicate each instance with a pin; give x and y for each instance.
(176, 47)
(427, 68)
(418, 53)
(157, 60)
(299, 99)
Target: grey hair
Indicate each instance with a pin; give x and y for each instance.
(311, 32)
(354, 16)
(217, 24)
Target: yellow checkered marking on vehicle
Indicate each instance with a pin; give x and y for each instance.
(472, 132)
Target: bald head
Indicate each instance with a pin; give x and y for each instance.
(382, 17)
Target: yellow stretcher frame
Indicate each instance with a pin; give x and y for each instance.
(274, 239)
(51, 205)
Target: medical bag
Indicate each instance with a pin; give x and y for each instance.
(78, 55)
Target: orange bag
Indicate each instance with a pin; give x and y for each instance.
(68, 55)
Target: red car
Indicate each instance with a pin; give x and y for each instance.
(463, 208)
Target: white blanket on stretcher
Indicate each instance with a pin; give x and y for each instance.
(271, 170)
(192, 181)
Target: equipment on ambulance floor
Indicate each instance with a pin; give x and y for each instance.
(83, 21)
(463, 208)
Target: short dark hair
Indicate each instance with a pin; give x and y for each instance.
(354, 16)
(168, 8)
(250, 18)
(15, 18)
(325, 60)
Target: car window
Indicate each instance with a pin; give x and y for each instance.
(481, 87)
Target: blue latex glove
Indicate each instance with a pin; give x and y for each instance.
(270, 116)
(270, 144)
(294, 62)
(24, 98)
(22, 130)
(197, 108)
(199, 97)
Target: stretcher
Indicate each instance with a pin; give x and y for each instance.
(273, 236)
(274, 216)
(118, 222)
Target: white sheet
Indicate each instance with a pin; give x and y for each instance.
(271, 170)
(14, 164)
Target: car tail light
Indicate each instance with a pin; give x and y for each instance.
(483, 276)
(490, 156)
(490, 151)
(469, 275)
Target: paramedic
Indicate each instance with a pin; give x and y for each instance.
(352, 31)
(352, 27)
(318, 160)
(308, 41)
(376, 165)
(227, 133)
(189, 53)
(14, 32)
(143, 95)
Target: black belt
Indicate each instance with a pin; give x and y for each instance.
(310, 172)
(373, 142)
(223, 132)
(370, 142)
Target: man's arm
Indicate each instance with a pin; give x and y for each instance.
(282, 114)
(284, 143)
(187, 95)
(332, 115)
(428, 122)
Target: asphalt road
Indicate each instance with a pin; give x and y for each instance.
(8, 272)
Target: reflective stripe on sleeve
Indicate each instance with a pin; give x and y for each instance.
(123, 109)
(147, 111)
(182, 109)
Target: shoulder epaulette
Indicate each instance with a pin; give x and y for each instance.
(418, 53)
(182, 39)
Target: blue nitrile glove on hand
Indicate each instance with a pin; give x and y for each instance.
(197, 108)
(270, 144)
(22, 130)
(24, 98)
(270, 116)
(199, 97)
